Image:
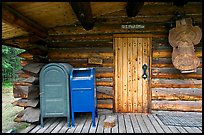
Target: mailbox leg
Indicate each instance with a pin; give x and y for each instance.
(93, 119)
(68, 121)
(41, 122)
(72, 119)
(96, 112)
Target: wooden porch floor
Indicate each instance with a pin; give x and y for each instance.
(125, 123)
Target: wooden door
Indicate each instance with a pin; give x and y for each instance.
(132, 92)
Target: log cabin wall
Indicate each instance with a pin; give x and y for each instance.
(65, 40)
(89, 51)
(172, 90)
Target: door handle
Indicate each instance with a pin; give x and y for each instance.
(144, 67)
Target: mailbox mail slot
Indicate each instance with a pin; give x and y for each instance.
(83, 92)
(54, 91)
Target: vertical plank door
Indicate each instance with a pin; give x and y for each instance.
(132, 92)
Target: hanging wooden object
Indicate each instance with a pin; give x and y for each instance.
(182, 39)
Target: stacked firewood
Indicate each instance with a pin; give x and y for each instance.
(27, 88)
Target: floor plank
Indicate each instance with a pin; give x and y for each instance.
(64, 128)
(100, 124)
(164, 127)
(189, 129)
(87, 124)
(93, 129)
(59, 126)
(115, 128)
(197, 130)
(148, 124)
(46, 124)
(107, 130)
(78, 118)
(121, 124)
(135, 124)
(128, 123)
(200, 128)
(81, 123)
(143, 127)
(125, 123)
(181, 129)
(173, 129)
(54, 124)
(155, 124)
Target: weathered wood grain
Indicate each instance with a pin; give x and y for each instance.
(29, 92)
(185, 106)
(176, 94)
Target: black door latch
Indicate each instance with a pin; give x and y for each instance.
(144, 67)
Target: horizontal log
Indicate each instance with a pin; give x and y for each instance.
(105, 104)
(176, 85)
(165, 60)
(176, 81)
(80, 61)
(87, 37)
(33, 68)
(176, 94)
(26, 103)
(157, 71)
(104, 79)
(26, 55)
(104, 69)
(30, 115)
(177, 76)
(104, 75)
(167, 54)
(167, 65)
(80, 44)
(91, 65)
(185, 106)
(40, 50)
(107, 29)
(110, 84)
(22, 74)
(84, 49)
(26, 92)
(27, 81)
(34, 58)
(23, 39)
(105, 111)
(162, 43)
(105, 89)
(148, 19)
(104, 96)
(63, 55)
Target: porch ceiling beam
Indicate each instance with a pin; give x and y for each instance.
(13, 17)
(83, 13)
(133, 8)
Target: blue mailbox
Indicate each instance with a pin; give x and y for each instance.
(83, 92)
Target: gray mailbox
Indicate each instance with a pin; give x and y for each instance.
(54, 91)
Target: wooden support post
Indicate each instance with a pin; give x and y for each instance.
(133, 8)
(83, 13)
